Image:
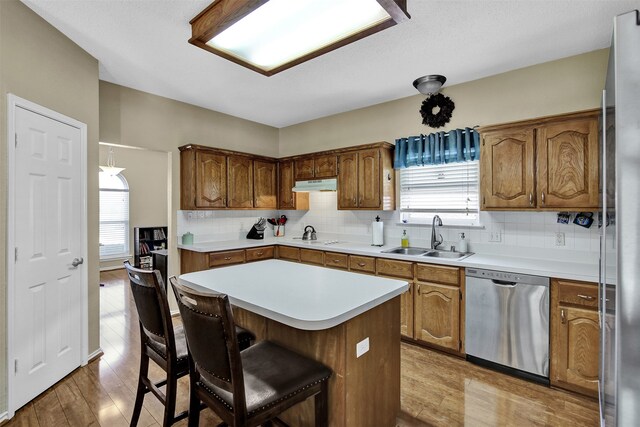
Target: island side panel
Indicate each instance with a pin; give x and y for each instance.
(251, 321)
(326, 346)
(373, 379)
(191, 261)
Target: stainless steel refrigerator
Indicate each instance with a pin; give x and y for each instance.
(619, 283)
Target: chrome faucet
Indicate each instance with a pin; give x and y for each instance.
(436, 222)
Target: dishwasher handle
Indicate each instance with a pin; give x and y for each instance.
(503, 283)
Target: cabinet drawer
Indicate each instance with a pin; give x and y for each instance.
(310, 256)
(438, 274)
(257, 254)
(577, 293)
(217, 259)
(393, 268)
(332, 259)
(362, 263)
(291, 254)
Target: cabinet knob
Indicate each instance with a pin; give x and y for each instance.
(543, 197)
(586, 297)
(418, 289)
(354, 200)
(259, 253)
(227, 258)
(336, 261)
(361, 264)
(530, 199)
(563, 317)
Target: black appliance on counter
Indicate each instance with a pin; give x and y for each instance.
(257, 231)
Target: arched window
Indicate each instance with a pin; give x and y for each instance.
(114, 216)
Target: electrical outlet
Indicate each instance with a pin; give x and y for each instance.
(495, 236)
(559, 239)
(362, 347)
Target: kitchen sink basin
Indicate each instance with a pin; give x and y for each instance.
(407, 251)
(447, 254)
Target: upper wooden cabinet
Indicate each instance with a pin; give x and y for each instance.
(287, 199)
(546, 164)
(366, 179)
(316, 167)
(265, 184)
(212, 178)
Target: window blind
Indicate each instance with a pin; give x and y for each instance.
(449, 188)
(114, 223)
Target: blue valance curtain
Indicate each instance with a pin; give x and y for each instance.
(458, 145)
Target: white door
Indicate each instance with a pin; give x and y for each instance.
(47, 309)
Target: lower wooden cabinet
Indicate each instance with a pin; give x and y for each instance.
(406, 312)
(310, 256)
(437, 315)
(336, 260)
(258, 254)
(575, 336)
(288, 253)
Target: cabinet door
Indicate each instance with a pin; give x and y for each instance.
(369, 179)
(304, 168)
(506, 169)
(325, 166)
(240, 182)
(264, 185)
(285, 184)
(576, 339)
(348, 181)
(567, 161)
(437, 315)
(406, 312)
(211, 180)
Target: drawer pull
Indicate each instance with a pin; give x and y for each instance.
(336, 261)
(227, 258)
(563, 317)
(530, 199)
(361, 264)
(259, 253)
(587, 297)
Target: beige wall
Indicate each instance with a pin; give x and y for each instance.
(146, 172)
(139, 119)
(569, 84)
(40, 64)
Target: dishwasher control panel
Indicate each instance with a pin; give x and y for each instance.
(506, 276)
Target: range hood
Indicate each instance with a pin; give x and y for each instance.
(316, 185)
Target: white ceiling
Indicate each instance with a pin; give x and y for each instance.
(142, 44)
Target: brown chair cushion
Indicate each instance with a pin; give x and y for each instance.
(271, 374)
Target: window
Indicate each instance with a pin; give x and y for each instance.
(114, 216)
(449, 190)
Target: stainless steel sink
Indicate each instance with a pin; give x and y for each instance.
(407, 251)
(447, 254)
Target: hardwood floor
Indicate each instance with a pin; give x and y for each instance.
(437, 390)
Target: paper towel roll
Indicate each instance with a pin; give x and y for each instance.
(378, 235)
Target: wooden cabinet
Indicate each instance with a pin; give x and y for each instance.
(366, 179)
(548, 163)
(395, 269)
(258, 254)
(402, 270)
(310, 256)
(217, 259)
(288, 253)
(287, 199)
(575, 336)
(336, 260)
(240, 184)
(316, 167)
(203, 176)
(437, 315)
(362, 264)
(265, 184)
(406, 312)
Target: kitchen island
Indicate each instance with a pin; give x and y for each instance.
(348, 321)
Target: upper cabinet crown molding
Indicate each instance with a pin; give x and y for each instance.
(549, 163)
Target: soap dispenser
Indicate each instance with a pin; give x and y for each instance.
(462, 244)
(404, 240)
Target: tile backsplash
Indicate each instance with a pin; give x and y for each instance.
(531, 234)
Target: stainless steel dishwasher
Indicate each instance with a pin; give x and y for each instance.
(507, 322)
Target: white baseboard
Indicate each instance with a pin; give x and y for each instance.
(95, 354)
(113, 267)
(4, 416)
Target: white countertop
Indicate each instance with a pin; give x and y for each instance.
(299, 295)
(534, 266)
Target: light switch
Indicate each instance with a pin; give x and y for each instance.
(362, 347)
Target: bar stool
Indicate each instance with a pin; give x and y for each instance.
(245, 388)
(161, 342)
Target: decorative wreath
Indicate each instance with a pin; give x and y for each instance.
(441, 117)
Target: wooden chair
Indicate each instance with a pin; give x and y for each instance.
(161, 342)
(245, 388)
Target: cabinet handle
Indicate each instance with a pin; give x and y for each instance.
(563, 317)
(291, 201)
(587, 297)
(224, 201)
(354, 201)
(336, 261)
(259, 253)
(227, 258)
(530, 199)
(543, 197)
(361, 264)
(484, 200)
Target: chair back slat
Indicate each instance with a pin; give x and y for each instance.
(151, 303)
(211, 338)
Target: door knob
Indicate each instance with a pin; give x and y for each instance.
(77, 261)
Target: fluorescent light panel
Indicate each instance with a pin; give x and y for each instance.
(281, 31)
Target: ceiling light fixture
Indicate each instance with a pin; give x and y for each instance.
(111, 168)
(270, 36)
(429, 85)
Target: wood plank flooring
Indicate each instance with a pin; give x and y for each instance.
(437, 390)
